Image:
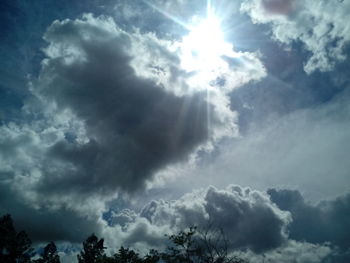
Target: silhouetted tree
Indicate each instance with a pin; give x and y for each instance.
(49, 255)
(210, 246)
(126, 255)
(215, 247)
(93, 250)
(191, 246)
(153, 256)
(14, 247)
(183, 248)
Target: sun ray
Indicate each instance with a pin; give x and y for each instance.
(203, 52)
(168, 15)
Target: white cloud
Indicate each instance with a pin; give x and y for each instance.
(292, 252)
(320, 25)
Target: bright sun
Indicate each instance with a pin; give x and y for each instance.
(203, 50)
(206, 39)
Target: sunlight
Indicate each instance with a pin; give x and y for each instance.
(203, 49)
(205, 41)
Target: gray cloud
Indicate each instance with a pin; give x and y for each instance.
(283, 7)
(108, 110)
(107, 123)
(247, 217)
(48, 222)
(253, 221)
(325, 222)
(256, 228)
(133, 126)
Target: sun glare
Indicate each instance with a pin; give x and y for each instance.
(203, 49)
(205, 40)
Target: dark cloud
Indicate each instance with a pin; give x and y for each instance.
(133, 126)
(323, 223)
(252, 222)
(259, 225)
(49, 222)
(327, 221)
(111, 109)
(247, 217)
(282, 7)
(98, 122)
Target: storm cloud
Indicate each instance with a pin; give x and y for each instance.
(272, 226)
(133, 126)
(325, 222)
(37, 221)
(247, 217)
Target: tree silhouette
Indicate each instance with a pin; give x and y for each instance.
(93, 250)
(190, 246)
(209, 246)
(49, 255)
(14, 247)
(126, 255)
(153, 256)
(183, 248)
(215, 246)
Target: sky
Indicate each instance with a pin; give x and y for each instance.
(134, 119)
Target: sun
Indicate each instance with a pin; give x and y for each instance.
(205, 41)
(203, 50)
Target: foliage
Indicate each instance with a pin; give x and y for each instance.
(191, 246)
(49, 255)
(14, 247)
(93, 250)
(126, 255)
(152, 256)
(209, 246)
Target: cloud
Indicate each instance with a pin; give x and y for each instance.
(302, 150)
(132, 125)
(292, 252)
(260, 226)
(50, 221)
(247, 217)
(283, 7)
(112, 107)
(325, 222)
(321, 26)
(108, 110)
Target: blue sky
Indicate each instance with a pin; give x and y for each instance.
(104, 127)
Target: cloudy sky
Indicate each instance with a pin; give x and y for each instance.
(134, 119)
